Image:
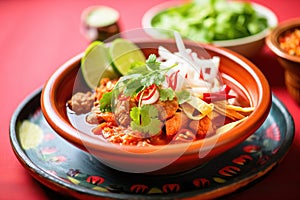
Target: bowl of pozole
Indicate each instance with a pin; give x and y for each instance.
(166, 106)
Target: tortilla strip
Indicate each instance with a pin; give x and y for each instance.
(223, 109)
(189, 111)
(239, 109)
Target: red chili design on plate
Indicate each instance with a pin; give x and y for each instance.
(229, 170)
(173, 187)
(201, 182)
(251, 148)
(242, 159)
(139, 189)
(95, 180)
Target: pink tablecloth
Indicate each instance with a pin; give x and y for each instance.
(37, 36)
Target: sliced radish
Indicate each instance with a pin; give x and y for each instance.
(151, 99)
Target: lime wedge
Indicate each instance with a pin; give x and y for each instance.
(123, 54)
(96, 64)
(89, 49)
(31, 135)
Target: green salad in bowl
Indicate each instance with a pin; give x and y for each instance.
(232, 24)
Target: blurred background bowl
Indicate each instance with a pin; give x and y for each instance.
(99, 22)
(237, 72)
(289, 61)
(248, 46)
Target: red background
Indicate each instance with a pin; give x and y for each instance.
(37, 36)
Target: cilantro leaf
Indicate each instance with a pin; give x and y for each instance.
(183, 96)
(138, 69)
(145, 120)
(155, 77)
(135, 114)
(105, 102)
(132, 86)
(153, 128)
(152, 63)
(166, 94)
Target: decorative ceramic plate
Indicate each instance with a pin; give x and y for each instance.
(67, 169)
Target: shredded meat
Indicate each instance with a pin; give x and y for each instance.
(202, 127)
(122, 112)
(97, 117)
(93, 116)
(166, 109)
(81, 102)
(175, 123)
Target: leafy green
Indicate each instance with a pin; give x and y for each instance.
(144, 76)
(211, 20)
(145, 120)
(138, 78)
(152, 63)
(183, 96)
(105, 102)
(166, 94)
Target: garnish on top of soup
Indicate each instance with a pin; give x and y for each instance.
(171, 98)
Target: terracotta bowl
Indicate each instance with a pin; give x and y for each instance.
(246, 46)
(291, 63)
(243, 77)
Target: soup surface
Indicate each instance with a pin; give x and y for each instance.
(174, 97)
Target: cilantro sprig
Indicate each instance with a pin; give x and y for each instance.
(105, 102)
(166, 94)
(144, 76)
(137, 79)
(145, 120)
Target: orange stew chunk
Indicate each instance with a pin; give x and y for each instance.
(290, 42)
